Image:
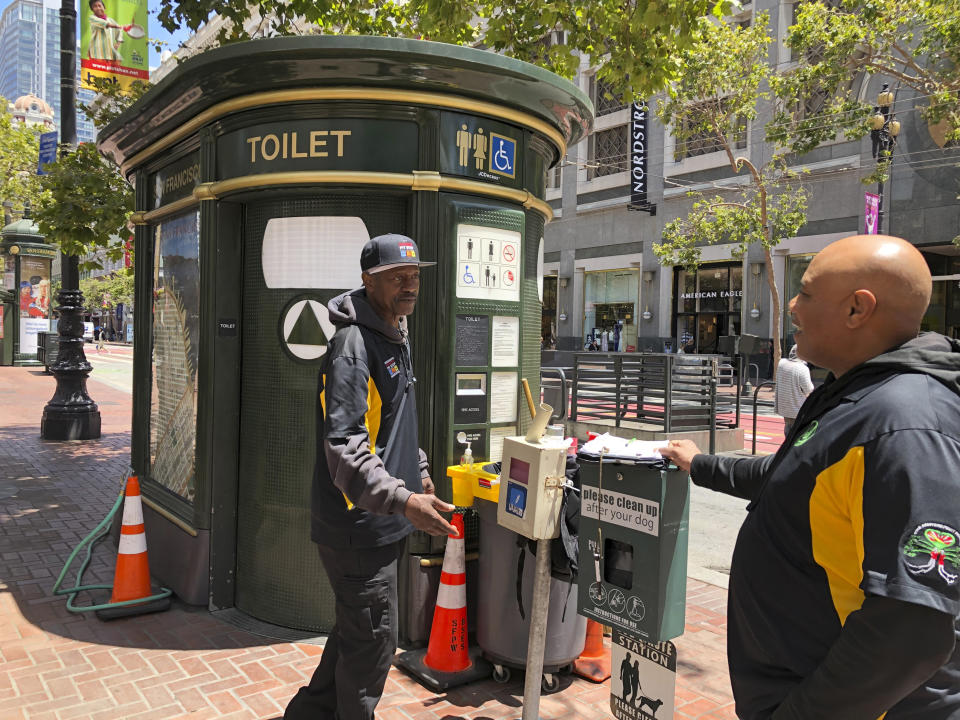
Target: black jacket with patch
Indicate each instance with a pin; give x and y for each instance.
(861, 501)
(360, 486)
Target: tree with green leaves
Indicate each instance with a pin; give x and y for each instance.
(106, 292)
(724, 78)
(910, 43)
(85, 203)
(86, 206)
(636, 41)
(19, 153)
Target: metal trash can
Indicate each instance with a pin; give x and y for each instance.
(48, 347)
(501, 632)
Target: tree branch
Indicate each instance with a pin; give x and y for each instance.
(752, 168)
(742, 206)
(910, 80)
(908, 59)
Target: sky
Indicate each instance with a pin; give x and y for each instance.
(153, 30)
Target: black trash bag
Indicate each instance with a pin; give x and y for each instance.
(565, 548)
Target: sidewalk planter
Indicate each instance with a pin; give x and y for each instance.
(261, 169)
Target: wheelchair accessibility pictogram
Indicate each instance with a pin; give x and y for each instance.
(503, 153)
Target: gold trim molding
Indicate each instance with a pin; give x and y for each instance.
(341, 94)
(163, 512)
(420, 180)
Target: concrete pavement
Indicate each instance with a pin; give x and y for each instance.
(189, 663)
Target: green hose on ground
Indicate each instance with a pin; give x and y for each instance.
(99, 532)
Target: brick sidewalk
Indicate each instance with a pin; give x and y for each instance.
(186, 663)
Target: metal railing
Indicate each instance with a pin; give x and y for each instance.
(766, 403)
(668, 391)
(554, 389)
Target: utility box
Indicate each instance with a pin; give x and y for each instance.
(634, 525)
(531, 488)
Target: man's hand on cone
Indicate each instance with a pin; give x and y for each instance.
(424, 510)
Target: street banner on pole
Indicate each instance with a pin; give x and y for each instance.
(871, 213)
(48, 151)
(113, 42)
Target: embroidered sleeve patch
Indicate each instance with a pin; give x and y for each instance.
(933, 548)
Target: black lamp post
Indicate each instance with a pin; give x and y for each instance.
(71, 414)
(884, 129)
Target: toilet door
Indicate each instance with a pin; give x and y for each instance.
(298, 254)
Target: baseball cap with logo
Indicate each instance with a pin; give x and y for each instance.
(386, 252)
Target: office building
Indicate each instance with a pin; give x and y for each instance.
(30, 58)
(603, 277)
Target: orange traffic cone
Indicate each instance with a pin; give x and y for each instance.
(594, 661)
(448, 660)
(447, 651)
(131, 579)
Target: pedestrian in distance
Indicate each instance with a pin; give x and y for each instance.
(371, 484)
(793, 386)
(844, 587)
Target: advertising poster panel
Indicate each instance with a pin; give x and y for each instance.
(34, 301)
(113, 42)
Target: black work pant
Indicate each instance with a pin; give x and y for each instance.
(349, 680)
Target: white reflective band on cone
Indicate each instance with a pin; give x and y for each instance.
(132, 510)
(454, 560)
(452, 597)
(133, 544)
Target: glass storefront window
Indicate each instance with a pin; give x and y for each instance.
(610, 309)
(176, 328)
(687, 285)
(714, 283)
(736, 289)
(796, 266)
(708, 303)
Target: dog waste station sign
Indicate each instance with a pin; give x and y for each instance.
(644, 678)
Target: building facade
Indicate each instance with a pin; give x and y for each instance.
(30, 58)
(603, 280)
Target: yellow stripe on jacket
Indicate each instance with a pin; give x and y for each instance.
(371, 418)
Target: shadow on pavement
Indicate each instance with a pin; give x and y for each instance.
(52, 495)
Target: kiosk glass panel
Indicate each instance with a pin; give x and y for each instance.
(176, 327)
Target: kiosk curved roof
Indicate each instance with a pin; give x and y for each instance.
(326, 61)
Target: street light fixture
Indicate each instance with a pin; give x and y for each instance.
(884, 129)
(71, 414)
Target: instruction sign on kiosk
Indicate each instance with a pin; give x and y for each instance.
(633, 546)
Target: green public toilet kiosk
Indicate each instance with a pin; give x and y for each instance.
(261, 169)
(26, 298)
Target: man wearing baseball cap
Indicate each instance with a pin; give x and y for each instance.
(371, 484)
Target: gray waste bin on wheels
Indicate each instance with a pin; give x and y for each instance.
(502, 633)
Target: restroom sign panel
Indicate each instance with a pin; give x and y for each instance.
(488, 263)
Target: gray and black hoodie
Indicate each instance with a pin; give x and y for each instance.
(360, 486)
